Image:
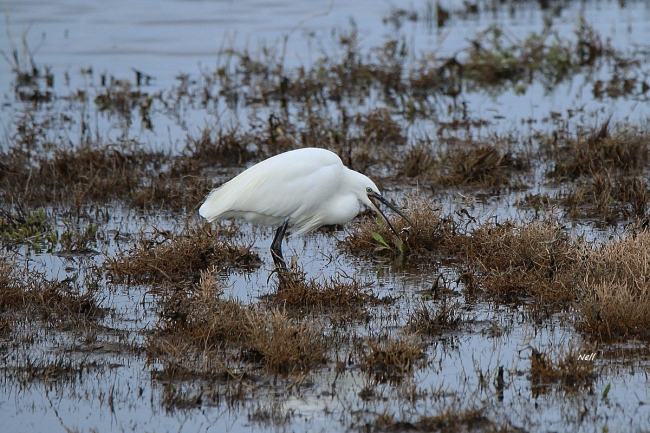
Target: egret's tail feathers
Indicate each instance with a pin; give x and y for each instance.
(210, 209)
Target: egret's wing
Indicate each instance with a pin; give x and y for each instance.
(290, 185)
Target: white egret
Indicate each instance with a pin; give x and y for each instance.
(304, 189)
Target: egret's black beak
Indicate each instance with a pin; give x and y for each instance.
(376, 195)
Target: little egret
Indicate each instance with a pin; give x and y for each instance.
(304, 189)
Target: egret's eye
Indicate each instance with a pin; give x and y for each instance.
(369, 190)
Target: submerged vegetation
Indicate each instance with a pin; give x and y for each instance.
(105, 263)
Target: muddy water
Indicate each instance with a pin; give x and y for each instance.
(173, 37)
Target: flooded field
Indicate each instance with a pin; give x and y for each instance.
(513, 135)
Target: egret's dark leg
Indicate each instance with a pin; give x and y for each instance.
(276, 246)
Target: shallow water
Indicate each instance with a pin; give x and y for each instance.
(173, 37)
(165, 40)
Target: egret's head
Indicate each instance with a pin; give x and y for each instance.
(368, 193)
(374, 197)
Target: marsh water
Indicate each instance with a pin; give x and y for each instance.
(58, 378)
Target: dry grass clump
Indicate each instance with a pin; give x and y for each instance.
(614, 310)
(449, 421)
(380, 129)
(428, 319)
(283, 344)
(419, 161)
(615, 290)
(176, 192)
(536, 259)
(201, 333)
(195, 327)
(485, 166)
(334, 294)
(87, 173)
(199, 315)
(179, 256)
(609, 198)
(626, 150)
(59, 301)
(568, 370)
(390, 358)
(37, 171)
(213, 148)
(25, 293)
(510, 260)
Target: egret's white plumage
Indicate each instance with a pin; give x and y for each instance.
(304, 188)
(311, 187)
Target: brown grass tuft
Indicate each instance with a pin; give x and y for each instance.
(335, 294)
(625, 150)
(199, 316)
(451, 420)
(90, 172)
(174, 257)
(283, 344)
(428, 319)
(509, 260)
(28, 293)
(611, 198)
(419, 161)
(380, 129)
(93, 171)
(200, 333)
(213, 149)
(535, 259)
(486, 166)
(391, 358)
(615, 290)
(568, 370)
